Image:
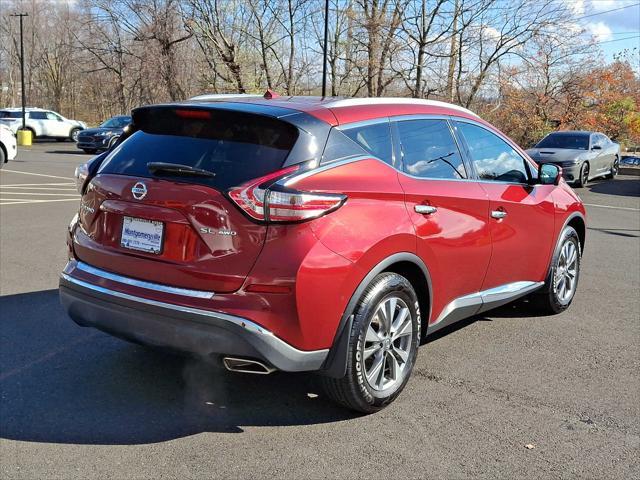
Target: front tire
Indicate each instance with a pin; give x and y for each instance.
(582, 180)
(3, 158)
(383, 346)
(562, 281)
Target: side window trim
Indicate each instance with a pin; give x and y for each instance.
(528, 165)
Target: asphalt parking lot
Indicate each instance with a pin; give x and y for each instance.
(76, 403)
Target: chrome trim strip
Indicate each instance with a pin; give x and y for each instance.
(141, 283)
(350, 102)
(469, 305)
(277, 351)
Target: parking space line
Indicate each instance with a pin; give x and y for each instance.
(36, 174)
(612, 207)
(43, 194)
(48, 189)
(15, 201)
(37, 184)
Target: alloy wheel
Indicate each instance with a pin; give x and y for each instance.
(566, 275)
(615, 167)
(388, 344)
(74, 135)
(585, 174)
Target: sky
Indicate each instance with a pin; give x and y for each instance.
(614, 24)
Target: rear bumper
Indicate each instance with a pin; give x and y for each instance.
(202, 332)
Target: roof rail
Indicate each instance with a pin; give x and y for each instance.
(223, 96)
(351, 102)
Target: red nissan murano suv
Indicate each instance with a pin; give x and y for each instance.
(321, 235)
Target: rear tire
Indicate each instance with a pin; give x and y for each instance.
(562, 281)
(3, 158)
(381, 352)
(73, 135)
(583, 179)
(615, 166)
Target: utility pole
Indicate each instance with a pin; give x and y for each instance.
(21, 16)
(324, 48)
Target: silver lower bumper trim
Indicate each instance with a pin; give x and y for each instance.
(124, 309)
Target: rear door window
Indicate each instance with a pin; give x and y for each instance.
(5, 114)
(38, 115)
(429, 150)
(235, 146)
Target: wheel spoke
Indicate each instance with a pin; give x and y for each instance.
(404, 356)
(390, 306)
(384, 321)
(375, 368)
(399, 320)
(370, 350)
(394, 367)
(372, 335)
(404, 330)
(380, 380)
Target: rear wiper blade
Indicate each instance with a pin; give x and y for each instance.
(177, 169)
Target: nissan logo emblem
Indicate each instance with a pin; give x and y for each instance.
(139, 191)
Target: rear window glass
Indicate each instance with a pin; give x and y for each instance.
(236, 147)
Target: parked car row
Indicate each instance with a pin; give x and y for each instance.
(49, 124)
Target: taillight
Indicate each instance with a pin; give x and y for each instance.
(282, 204)
(81, 174)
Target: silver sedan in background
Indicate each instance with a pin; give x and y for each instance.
(582, 155)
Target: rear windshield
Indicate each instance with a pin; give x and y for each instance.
(575, 142)
(236, 147)
(5, 114)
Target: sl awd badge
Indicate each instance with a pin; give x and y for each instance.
(213, 231)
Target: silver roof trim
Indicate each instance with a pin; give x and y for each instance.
(351, 102)
(224, 96)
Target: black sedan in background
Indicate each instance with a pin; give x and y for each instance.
(104, 136)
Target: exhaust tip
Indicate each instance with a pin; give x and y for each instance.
(245, 365)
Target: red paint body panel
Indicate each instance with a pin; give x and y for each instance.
(454, 242)
(522, 241)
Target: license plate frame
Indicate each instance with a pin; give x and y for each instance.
(140, 234)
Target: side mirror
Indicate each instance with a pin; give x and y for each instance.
(549, 174)
(596, 147)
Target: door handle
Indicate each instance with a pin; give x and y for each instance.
(498, 214)
(425, 209)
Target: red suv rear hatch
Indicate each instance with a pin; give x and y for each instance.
(144, 217)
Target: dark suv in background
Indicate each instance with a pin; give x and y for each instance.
(104, 136)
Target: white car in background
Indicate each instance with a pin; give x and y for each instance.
(8, 147)
(42, 123)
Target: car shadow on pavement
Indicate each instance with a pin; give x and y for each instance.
(60, 383)
(619, 187)
(69, 152)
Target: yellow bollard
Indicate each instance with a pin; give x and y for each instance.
(24, 137)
